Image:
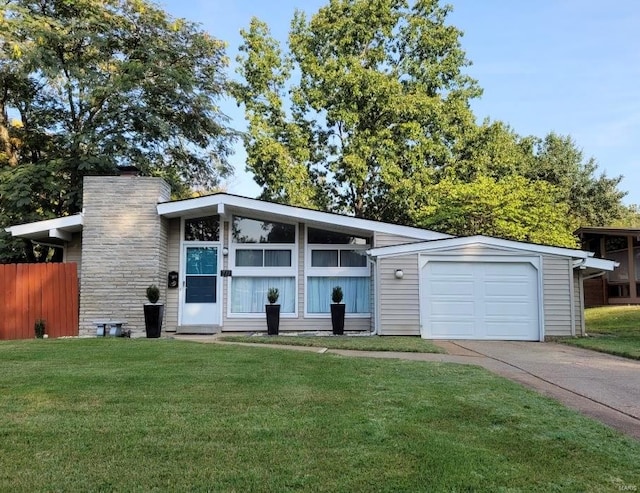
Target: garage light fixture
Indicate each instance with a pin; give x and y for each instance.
(399, 274)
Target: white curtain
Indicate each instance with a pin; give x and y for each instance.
(355, 290)
(249, 294)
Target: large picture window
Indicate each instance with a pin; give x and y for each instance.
(262, 256)
(337, 259)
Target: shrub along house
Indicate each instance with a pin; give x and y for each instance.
(215, 257)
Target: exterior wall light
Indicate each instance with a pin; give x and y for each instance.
(225, 251)
(399, 274)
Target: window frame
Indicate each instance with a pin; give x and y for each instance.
(310, 271)
(262, 271)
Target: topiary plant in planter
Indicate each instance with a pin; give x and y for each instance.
(337, 311)
(153, 313)
(273, 312)
(39, 328)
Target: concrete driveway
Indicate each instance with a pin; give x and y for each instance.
(599, 385)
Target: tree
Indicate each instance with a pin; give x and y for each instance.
(594, 200)
(379, 98)
(91, 84)
(512, 207)
(629, 217)
(367, 113)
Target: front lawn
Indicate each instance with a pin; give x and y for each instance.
(612, 329)
(168, 415)
(405, 344)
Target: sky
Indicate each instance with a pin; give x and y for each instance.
(567, 66)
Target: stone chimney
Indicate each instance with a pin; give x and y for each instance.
(124, 248)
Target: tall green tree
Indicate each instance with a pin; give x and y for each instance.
(594, 199)
(86, 85)
(366, 111)
(368, 95)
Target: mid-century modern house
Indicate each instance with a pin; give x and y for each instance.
(622, 285)
(214, 258)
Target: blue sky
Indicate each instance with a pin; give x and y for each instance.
(568, 66)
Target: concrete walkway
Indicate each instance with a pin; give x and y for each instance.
(598, 385)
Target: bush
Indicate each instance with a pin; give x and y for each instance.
(153, 293)
(336, 294)
(272, 295)
(39, 328)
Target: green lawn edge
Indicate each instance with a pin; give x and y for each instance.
(611, 329)
(405, 344)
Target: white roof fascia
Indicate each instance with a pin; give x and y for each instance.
(179, 208)
(599, 264)
(430, 246)
(51, 228)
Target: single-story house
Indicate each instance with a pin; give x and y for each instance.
(215, 257)
(622, 285)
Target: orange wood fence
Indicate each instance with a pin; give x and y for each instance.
(29, 292)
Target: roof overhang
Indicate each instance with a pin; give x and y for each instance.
(607, 231)
(60, 229)
(595, 266)
(472, 241)
(226, 204)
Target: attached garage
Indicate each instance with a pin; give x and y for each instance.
(480, 287)
(490, 299)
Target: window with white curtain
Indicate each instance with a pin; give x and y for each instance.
(249, 294)
(262, 255)
(337, 259)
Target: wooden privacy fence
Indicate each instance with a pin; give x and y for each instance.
(29, 292)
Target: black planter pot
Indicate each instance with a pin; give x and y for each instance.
(273, 319)
(153, 320)
(337, 318)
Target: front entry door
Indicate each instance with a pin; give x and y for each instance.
(200, 285)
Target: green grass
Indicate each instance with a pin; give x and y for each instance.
(167, 415)
(611, 329)
(357, 343)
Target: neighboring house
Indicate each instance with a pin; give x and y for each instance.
(227, 251)
(622, 285)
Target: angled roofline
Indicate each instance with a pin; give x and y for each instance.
(179, 208)
(461, 241)
(607, 230)
(59, 228)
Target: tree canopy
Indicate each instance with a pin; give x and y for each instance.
(367, 111)
(380, 96)
(88, 85)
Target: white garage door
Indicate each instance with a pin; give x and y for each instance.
(479, 300)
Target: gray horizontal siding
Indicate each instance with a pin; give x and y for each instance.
(557, 295)
(385, 239)
(173, 264)
(299, 324)
(399, 300)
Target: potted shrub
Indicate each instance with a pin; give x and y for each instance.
(39, 328)
(153, 312)
(337, 311)
(273, 312)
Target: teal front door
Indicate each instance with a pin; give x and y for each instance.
(200, 285)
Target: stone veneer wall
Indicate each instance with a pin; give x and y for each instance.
(124, 248)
